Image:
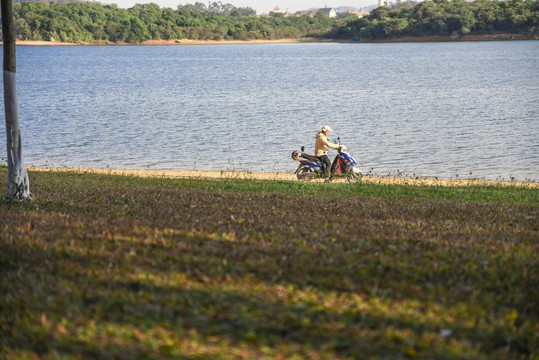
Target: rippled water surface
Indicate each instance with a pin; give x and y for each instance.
(423, 109)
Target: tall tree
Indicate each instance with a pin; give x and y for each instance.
(18, 183)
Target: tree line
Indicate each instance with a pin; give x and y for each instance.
(444, 18)
(95, 22)
(90, 21)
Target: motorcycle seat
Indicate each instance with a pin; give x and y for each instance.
(309, 157)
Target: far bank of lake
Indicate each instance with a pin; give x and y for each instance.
(492, 37)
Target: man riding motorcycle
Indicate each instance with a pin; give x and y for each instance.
(321, 146)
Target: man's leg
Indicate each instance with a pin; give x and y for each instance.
(327, 164)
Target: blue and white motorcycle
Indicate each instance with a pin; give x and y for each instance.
(310, 167)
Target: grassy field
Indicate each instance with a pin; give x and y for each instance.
(119, 267)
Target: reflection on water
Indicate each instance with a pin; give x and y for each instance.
(425, 109)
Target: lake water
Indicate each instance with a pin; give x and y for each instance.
(467, 110)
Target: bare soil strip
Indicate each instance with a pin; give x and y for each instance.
(430, 38)
(290, 177)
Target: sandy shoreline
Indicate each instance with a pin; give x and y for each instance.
(164, 42)
(201, 174)
(495, 37)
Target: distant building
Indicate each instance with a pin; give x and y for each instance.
(306, 12)
(276, 10)
(328, 11)
(383, 3)
(359, 13)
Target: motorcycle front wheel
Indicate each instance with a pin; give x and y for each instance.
(353, 175)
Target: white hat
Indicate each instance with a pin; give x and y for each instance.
(326, 128)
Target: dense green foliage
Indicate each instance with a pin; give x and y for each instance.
(116, 267)
(94, 22)
(444, 18)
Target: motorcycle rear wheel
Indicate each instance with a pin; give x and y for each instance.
(305, 174)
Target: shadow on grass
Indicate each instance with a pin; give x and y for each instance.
(172, 272)
(151, 296)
